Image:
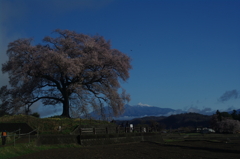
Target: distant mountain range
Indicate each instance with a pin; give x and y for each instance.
(140, 111)
(192, 120)
(164, 117)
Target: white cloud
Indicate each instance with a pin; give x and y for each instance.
(233, 94)
(126, 117)
(230, 108)
(178, 111)
(206, 111)
(146, 105)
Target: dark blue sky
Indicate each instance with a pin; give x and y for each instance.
(185, 53)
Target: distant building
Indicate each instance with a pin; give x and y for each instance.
(205, 130)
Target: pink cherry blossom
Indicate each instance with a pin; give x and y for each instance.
(74, 70)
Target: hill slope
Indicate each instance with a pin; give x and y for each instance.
(175, 121)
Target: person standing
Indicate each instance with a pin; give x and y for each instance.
(4, 137)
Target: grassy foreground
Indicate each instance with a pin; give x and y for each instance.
(21, 149)
(44, 126)
(50, 125)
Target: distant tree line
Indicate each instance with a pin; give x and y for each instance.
(223, 122)
(234, 115)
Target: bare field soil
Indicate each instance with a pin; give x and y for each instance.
(145, 150)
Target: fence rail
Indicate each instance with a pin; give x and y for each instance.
(14, 136)
(165, 136)
(18, 137)
(109, 130)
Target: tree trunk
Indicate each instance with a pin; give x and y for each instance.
(65, 112)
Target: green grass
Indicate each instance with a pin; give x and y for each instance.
(7, 152)
(44, 126)
(50, 125)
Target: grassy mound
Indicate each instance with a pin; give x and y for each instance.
(51, 125)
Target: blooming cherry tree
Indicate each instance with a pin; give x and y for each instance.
(226, 125)
(72, 70)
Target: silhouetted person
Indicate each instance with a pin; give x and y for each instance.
(4, 137)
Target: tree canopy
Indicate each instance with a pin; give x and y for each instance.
(72, 69)
(226, 123)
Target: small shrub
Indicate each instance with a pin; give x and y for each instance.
(36, 115)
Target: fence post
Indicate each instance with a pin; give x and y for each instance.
(19, 133)
(37, 132)
(106, 130)
(94, 131)
(80, 141)
(80, 131)
(117, 130)
(14, 140)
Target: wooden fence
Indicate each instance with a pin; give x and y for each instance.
(113, 130)
(165, 136)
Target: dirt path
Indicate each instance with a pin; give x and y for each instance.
(144, 150)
